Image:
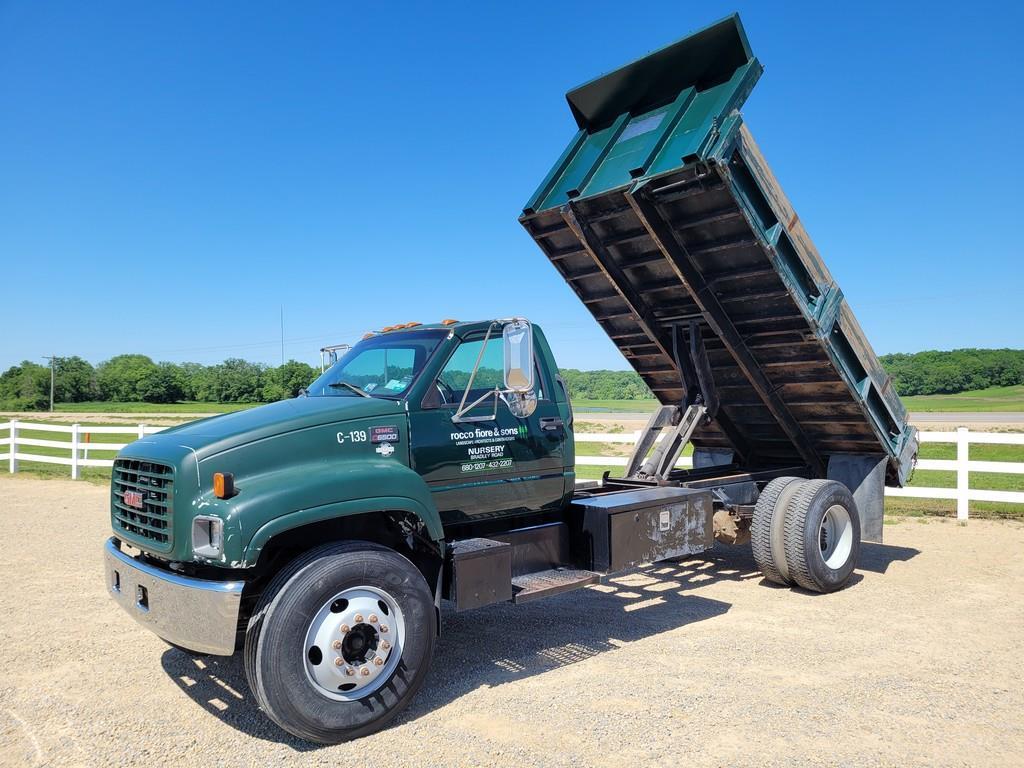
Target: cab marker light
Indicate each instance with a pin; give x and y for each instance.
(449, 321)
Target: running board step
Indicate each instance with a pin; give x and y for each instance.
(532, 586)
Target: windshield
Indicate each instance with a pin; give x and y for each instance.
(381, 366)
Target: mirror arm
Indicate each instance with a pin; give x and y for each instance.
(497, 392)
(459, 415)
(469, 384)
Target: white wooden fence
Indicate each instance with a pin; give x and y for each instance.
(79, 447)
(962, 465)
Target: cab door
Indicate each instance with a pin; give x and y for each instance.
(489, 468)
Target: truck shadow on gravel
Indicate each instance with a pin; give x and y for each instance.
(505, 643)
(877, 558)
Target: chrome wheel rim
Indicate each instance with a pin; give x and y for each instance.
(354, 643)
(835, 536)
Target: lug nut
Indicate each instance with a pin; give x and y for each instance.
(359, 618)
(378, 661)
(336, 645)
(339, 661)
(384, 645)
(373, 618)
(343, 628)
(383, 627)
(349, 671)
(364, 671)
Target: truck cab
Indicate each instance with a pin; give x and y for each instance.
(415, 414)
(419, 436)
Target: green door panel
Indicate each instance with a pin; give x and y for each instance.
(504, 466)
(484, 469)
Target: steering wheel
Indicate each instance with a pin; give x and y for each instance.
(447, 393)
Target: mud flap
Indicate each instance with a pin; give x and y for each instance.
(865, 477)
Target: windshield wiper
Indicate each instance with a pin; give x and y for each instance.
(346, 385)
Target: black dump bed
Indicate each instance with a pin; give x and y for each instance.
(666, 222)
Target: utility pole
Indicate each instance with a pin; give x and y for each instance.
(53, 360)
(282, 334)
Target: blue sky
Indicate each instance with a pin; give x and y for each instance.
(171, 174)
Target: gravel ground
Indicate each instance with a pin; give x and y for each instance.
(695, 663)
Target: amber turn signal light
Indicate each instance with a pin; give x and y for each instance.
(223, 485)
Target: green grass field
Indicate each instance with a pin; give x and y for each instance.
(1006, 399)
(614, 406)
(1009, 399)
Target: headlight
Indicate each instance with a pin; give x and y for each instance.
(208, 536)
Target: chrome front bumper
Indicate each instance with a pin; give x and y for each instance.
(196, 614)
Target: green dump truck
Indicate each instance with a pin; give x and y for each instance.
(434, 464)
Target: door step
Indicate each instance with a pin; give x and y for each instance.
(533, 586)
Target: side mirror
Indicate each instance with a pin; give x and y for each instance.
(518, 342)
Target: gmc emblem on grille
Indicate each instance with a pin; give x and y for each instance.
(133, 499)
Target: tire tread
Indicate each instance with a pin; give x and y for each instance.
(250, 654)
(796, 518)
(761, 528)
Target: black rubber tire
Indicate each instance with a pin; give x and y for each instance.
(275, 641)
(765, 509)
(804, 514)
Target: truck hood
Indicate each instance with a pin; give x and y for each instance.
(219, 433)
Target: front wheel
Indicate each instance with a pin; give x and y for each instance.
(340, 641)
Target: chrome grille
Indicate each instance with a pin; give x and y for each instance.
(152, 522)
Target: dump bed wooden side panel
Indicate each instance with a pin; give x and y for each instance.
(704, 247)
(667, 222)
(772, 190)
(808, 253)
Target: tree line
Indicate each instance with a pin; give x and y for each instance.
(137, 378)
(959, 370)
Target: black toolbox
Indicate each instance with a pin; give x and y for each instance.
(478, 572)
(619, 530)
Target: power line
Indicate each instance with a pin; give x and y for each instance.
(258, 344)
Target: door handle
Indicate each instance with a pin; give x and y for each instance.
(551, 422)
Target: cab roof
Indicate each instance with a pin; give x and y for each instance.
(459, 327)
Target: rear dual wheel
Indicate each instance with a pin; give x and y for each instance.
(807, 533)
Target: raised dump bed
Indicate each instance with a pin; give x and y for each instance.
(665, 219)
